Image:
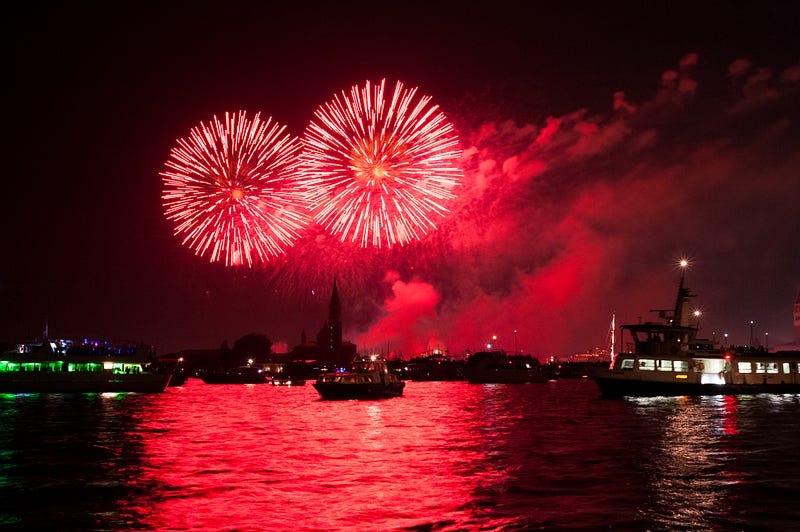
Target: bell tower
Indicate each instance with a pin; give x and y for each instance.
(329, 338)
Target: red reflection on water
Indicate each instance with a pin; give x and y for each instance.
(730, 405)
(254, 457)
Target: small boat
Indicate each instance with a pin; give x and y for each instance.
(88, 366)
(240, 375)
(286, 380)
(368, 378)
(496, 367)
(667, 359)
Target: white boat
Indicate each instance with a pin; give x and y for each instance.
(88, 366)
(668, 359)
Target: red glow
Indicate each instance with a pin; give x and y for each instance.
(730, 415)
(229, 189)
(215, 459)
(378, 171)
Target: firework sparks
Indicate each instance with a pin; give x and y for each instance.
(229, 188)
(379, 171)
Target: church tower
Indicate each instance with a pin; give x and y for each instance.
(329, 338)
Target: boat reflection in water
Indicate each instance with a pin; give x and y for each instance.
(704, 467)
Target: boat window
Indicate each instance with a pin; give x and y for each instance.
(787, 368)
(647, 364)
(745, 367)
(627, 363)
(680, 365)
(664, 365)
(713, 365)
(772, 367)
(761, 367)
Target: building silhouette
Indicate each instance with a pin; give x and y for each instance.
(333, 352)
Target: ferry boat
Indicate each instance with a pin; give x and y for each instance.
(66, 366)
(434, 367)
(496, 367)
(668, 359)
(368, 378)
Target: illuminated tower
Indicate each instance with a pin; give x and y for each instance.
(329, 337)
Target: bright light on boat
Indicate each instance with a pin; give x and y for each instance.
(108, 365)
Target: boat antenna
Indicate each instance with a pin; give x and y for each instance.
(613, 332)
(680, 317)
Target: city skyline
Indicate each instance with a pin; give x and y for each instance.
(599, 146)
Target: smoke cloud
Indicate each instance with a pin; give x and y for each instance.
(563, 223)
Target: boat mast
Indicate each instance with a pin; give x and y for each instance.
(679, 316)
(613, 332)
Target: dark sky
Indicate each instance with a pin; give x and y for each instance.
(601, 144)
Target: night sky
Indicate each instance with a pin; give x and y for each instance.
(601, 144)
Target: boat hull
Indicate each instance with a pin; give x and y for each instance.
(496, 367)
(367, 390)
(617, 387)
(44, 382)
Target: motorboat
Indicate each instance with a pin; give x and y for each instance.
(368, 378)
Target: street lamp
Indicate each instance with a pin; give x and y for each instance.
(697, 314)
(751, 333)
(515, 342)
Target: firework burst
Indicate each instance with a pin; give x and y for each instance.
(229, 189)
(378, 171)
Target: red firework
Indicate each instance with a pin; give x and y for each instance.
(378, 171)
(229, 188)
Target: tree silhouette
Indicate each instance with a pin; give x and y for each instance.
(250, 346)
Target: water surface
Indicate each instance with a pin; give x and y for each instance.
(445, 456)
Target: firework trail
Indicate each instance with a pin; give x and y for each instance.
(230, 190)
(378, 171)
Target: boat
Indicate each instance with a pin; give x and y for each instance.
(434, 367)
(240, 375)
(287, 380)
(497, 367)
(87, 366)
(668, 359)
(367, 378)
